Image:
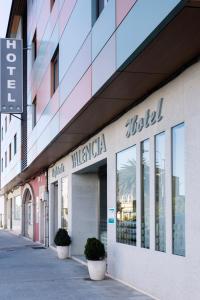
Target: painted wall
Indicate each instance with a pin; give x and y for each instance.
(178, 277)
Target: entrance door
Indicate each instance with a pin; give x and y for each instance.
(42, 222)
(54, 213)
(11, 213)
(89, 206)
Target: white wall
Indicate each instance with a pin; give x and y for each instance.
(163, 275)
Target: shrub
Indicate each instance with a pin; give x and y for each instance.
(94, 249)
(62, 238)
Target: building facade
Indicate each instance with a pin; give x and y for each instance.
(109, 136)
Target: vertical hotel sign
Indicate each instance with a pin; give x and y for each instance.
(11, 76)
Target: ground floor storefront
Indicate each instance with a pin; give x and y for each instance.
(134, 185)
(26, 210)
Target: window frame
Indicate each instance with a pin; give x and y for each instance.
(55, 71)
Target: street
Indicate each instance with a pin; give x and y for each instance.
(29, 271)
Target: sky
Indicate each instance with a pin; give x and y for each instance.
(4, 15)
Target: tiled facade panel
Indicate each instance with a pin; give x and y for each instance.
(76, 70)
(44, 121)
(42, 20)
(44, 93)
(129, 40)
(122, 9)
(77, 99)
(107, 58)
(84, 51)
(74, 35)
(65, 14)
(103, 28)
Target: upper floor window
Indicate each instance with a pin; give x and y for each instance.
(6, 159)
(2, 165)
(100, 6)
(52, 4)
(34, 47)
(10, 152)
(2, 133)
(15, 144)
(10, 118)
(34, 110)
(6, 124)
(55, 71)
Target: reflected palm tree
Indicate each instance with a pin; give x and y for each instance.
(126, 179)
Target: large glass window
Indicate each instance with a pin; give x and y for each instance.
(160, 230)
(178, 190)
(126, 196)
(145, 195)
(64, 202)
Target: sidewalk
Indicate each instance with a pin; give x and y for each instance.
(31, 274)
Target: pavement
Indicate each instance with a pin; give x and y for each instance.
(29, 271)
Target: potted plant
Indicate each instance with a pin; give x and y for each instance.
(62, 241)
(95, 255)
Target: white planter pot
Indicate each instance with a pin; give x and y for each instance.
(62, 251)
(97, 269)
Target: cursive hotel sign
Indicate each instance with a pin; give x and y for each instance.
(91, 150)
(57, 170)
(136, 124)
(11, 76)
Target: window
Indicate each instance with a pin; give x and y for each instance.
(126, 196)
(15, 144)
(100, 6)
(52, 4)
(17, 208)
(160, 230)
(6, 159)
(55, 71)
(2, 133)
(34, 48)
(10, 152)
(34, 112)
(2, 165)
(64, 203)
(145, 195)
(10, 118)
(178, 190)
(6, 124)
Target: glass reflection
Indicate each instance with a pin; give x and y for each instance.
(178, 190)
(145, 195)
(126, 196)
(160, 229)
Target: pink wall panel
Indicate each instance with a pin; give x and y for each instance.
(54, 103)
(65, 14)
(42, 22)
(122, 9)
(44, 93)
(77, 99)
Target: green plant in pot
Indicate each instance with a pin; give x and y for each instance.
(95, 254)
(62, 241)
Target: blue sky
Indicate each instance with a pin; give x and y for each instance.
(4, 15)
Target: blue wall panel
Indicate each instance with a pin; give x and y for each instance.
(141, 21)
(103, 28)
(74, 34)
